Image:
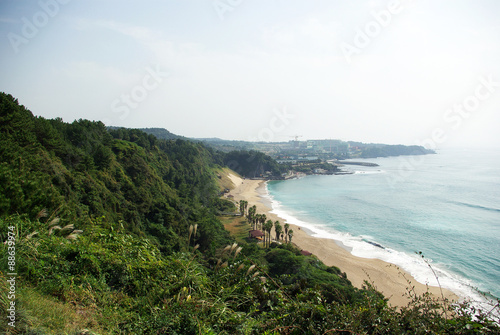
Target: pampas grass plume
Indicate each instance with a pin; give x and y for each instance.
(250, 269)
(31, 235)
(237, 252)
(54, 222)
(42, 214)
(51, 230)
(227, 248)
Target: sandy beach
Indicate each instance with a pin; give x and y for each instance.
(386, 277)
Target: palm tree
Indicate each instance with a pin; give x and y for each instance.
(263, 219)
(268, 226)
(257, 219)
(264, 230)
(243, 207)
(290, 235)
(278, 230)
(251, 214)
(286, 231)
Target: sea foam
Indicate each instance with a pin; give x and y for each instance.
(424, 270)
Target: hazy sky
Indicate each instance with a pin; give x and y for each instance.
(421, 71)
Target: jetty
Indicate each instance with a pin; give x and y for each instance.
(356, 163)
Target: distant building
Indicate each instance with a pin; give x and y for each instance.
(320, 171)
(285, 161)
(308, 158)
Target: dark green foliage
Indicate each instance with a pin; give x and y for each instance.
(162, 134)
(309, 168)
(393, 150)
(224, 205)
(134, 288)
(81, 170)
(227, 145)
(252, 164)
(287, 264)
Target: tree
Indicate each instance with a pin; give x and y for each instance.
(263, 219)
(287, 226)
(252, 163)
(290, 235)
(242, 207)
(264, 230)
(256, 220)
(268, 226)
(278, 229)
(251, 215)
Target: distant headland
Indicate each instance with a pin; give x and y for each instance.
(295, 158)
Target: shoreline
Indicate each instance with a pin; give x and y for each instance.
(387, 278)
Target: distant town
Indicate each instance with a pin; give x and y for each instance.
(323, 149)
(294, 157)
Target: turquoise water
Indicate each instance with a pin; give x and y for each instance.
(446, 206)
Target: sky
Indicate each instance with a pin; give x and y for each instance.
(398, 72)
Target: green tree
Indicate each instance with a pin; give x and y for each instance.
(287, 226)
(278, 230)
(267, 227)
(243, 206)
(262, 220)
(290, 235)
(251, 215)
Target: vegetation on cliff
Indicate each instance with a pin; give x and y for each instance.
(374, 151)
(117, 232)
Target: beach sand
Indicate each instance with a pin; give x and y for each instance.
(387, 278)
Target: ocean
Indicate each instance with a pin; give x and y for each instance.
(446, 206)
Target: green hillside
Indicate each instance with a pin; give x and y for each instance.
(117, 232)
(162, 134)
(80, 171)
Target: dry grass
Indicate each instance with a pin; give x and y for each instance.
(224, 181)
(48, 314)
(237, 227)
